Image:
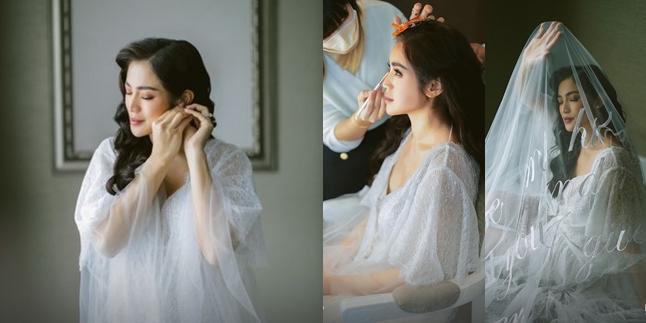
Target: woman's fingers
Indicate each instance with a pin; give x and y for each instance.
(178, 118)
(382, 110)
(200, 116)
(362, 97)
(415, 12)
(426, 12)
(379, 99)
(553, 41)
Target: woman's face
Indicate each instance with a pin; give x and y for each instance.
(402, 88)
(570, 103)
(345, 22)
(145, 98)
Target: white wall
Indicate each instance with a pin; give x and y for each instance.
(38, 239)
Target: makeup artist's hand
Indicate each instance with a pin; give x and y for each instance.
(418, 11)
(479, 50)
(374, 110)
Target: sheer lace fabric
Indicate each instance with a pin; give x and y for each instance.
(160, 274)
(427, 228)
(563, 252)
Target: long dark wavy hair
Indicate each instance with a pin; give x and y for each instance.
(563, 164)
(437, 50)
(179, 67)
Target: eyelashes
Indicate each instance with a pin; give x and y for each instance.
(572, 99)
(147, 98)
(397, 71)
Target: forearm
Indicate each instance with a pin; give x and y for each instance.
(113, 233)
(204, 202)
(378, 282)
(349, 130)
(356, 234)
(530, 92)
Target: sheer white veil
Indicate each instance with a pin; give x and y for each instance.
(561, 240)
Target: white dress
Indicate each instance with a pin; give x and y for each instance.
(574, 272)
(427, 228)
(160, 275)
(341, 88)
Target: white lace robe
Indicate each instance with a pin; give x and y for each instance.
(427, 228)
(573, 272)
(160, 275)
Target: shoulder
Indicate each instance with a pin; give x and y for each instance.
(106, 149)
(615, 156)
(373, 7)
(453, 160)
(452, 155)
(221, 154)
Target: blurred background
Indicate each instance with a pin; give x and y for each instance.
(612, 31)
(468, 16)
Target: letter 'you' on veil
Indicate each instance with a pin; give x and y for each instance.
(561, 242)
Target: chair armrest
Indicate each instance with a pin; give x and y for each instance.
(372, 308)
(426, 299)
(441, 295)
(437, 300)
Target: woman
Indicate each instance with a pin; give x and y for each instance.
(417, 223)
(168, 215)
(565, 199)
(356, 43)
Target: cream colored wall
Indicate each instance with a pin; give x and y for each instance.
(38, 239)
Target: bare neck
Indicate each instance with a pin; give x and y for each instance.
(428, 128)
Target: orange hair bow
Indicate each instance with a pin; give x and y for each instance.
(409, 24)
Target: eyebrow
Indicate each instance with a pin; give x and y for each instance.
(398, 64)
(144, 87)
(571, 92)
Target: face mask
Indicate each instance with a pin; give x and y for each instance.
(344, 40)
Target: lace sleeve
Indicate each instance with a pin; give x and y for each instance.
(93, 203)
(618, 199)
(234, 190)
(439, 239)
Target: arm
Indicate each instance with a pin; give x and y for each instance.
(201, 183)
(356, 234)
(619, 205)
(355, 127)
(223, 197)
(533, 58)
(127, 211)
(439, 237)
(384, 281)
(113, 232)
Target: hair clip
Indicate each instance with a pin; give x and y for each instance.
(409, 24)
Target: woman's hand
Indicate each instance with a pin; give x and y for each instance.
(425, 13)
(167, 132)
(195, 139)
(326, 284)
(479, 50)
(540, 46)
(374, 110)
